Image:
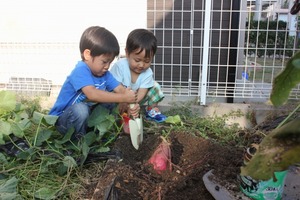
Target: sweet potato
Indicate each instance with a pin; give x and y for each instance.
(161, 158)
(125, 122)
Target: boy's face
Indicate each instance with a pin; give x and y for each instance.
(137, 61)
(99, 65)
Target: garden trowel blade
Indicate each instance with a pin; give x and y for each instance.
(134, 133)
(139, 122)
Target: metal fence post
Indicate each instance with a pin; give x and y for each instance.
(206, 43)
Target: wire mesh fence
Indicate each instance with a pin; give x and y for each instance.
(227, 49)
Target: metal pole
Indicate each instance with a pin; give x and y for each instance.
(257, 14)
(206, 41)
(233, 53)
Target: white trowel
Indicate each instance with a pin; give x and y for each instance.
(136, 130)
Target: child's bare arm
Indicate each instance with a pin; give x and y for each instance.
(141, 93)
(120, 95)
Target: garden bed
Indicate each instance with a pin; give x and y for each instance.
(206, 156)
(201, 168)
(192, 157)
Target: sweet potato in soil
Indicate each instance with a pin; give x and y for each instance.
(192, 157)
(161, 157)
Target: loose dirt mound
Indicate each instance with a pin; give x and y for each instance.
(192, 157)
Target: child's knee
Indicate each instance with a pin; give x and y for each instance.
(82, 111)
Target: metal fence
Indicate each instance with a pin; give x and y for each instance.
(217, 49)
(35, 68)
(229, 50)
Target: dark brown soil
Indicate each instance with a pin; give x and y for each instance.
(133, 178)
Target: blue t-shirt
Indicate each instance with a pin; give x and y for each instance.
(121, 71)
(80, 77)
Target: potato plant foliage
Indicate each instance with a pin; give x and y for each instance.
(36, 161)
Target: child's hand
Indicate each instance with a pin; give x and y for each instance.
(130, 95)
(134, 110)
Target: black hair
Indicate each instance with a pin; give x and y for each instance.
(142, 39)
(99, 41)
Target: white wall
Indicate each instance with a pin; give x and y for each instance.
(65, 20)
(59, 21)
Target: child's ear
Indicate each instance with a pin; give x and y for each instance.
(87, 54)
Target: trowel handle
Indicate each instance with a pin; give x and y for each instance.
(131, 106)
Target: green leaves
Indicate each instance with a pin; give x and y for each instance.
(13, 117)
(277, 151)
(174, 120)
(8, 189)
(98, 115)
(7, 105)
(43, 136)
(44, 119)
(45, 193)
(18, 127)
(290, 131)
(69, 162)
(4, 131)
(43, 168)
(3, 159)
(66, 138)
(7, 102)
(286, 81)
(101, 120)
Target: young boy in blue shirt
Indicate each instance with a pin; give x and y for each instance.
(134, 71)
(91, 83)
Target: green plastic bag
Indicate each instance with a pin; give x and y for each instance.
(263, 190)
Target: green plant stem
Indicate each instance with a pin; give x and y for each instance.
(38, 175)
(11, 169)
(166, 135)
(119, 128)
(27, 141)
(37, 131)
(283, 122)
(54, 150)
(66, 180)
(78, 149)
(111, 139)
(15, 144)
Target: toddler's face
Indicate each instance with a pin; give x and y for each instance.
(137, 61)
(99, 65)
